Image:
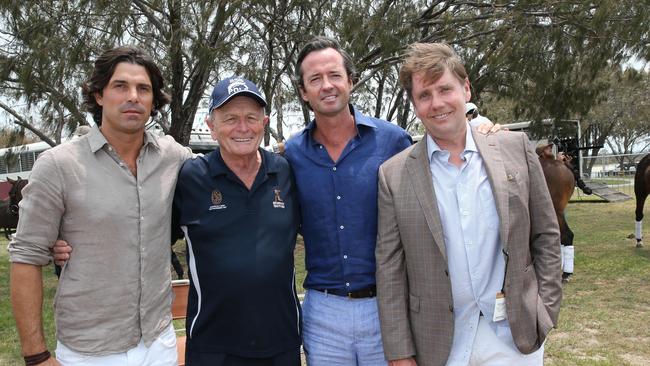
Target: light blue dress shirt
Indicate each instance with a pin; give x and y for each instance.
(470, 225)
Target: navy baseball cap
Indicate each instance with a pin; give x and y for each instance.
(231, 87)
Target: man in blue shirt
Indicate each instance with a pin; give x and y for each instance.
(335, 161)
(238, 210)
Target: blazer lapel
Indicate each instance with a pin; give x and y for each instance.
(490, 150)
(417, 165)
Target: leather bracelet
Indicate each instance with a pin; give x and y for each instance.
(36, 359)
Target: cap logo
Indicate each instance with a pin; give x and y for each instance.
(237, 85)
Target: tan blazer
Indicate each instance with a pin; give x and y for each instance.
(413, 286)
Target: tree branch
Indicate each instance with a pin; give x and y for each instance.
(20, 121)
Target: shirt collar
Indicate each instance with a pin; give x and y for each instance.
(97, 140)
(219, 167)
(359, 120)
(151, 139)
(470, 144)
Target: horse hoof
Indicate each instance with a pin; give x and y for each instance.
(566, 277)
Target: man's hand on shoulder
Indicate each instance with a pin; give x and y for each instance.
(61, 252)
(488, 127)
(403, 362)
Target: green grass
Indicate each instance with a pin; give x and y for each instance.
(606, 308)
(611, 181)
(605, 313)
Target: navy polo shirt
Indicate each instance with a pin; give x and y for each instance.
(242, 298)
(338, 201)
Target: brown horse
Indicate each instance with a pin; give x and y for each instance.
(641, 190)
(16, 193)
(8, 220)
(9, 207)
(561, 183)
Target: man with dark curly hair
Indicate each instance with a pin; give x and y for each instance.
(108, 194)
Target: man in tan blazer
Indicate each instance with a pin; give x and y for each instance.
(468, 248)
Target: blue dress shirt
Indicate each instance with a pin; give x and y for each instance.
(470, 224)
(338, 201)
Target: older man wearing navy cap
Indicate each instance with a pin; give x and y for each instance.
(238, 211)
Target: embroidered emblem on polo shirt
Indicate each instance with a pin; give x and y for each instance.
(277, 200)
(217, 198)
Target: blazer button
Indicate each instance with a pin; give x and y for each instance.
(451, 308)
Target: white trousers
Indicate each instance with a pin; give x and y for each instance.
(490, 350)
(162, 352)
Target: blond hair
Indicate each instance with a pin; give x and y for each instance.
(432, 59)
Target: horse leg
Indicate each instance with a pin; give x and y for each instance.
(638, 232)
(568, 250)
(578, 180)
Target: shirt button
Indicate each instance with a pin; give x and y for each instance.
(345, 256)
(334, 168)
(341, 227)
(320, 146)
(338, 197)
(141, 218)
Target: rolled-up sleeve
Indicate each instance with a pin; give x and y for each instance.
(40, 214)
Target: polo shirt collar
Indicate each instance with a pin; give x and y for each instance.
(218, 167)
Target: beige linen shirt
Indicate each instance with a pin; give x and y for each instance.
(115, 289)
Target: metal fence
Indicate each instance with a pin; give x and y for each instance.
(615, 170)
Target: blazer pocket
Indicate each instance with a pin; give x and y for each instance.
(414, 303)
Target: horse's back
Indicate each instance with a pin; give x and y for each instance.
(560, 182)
